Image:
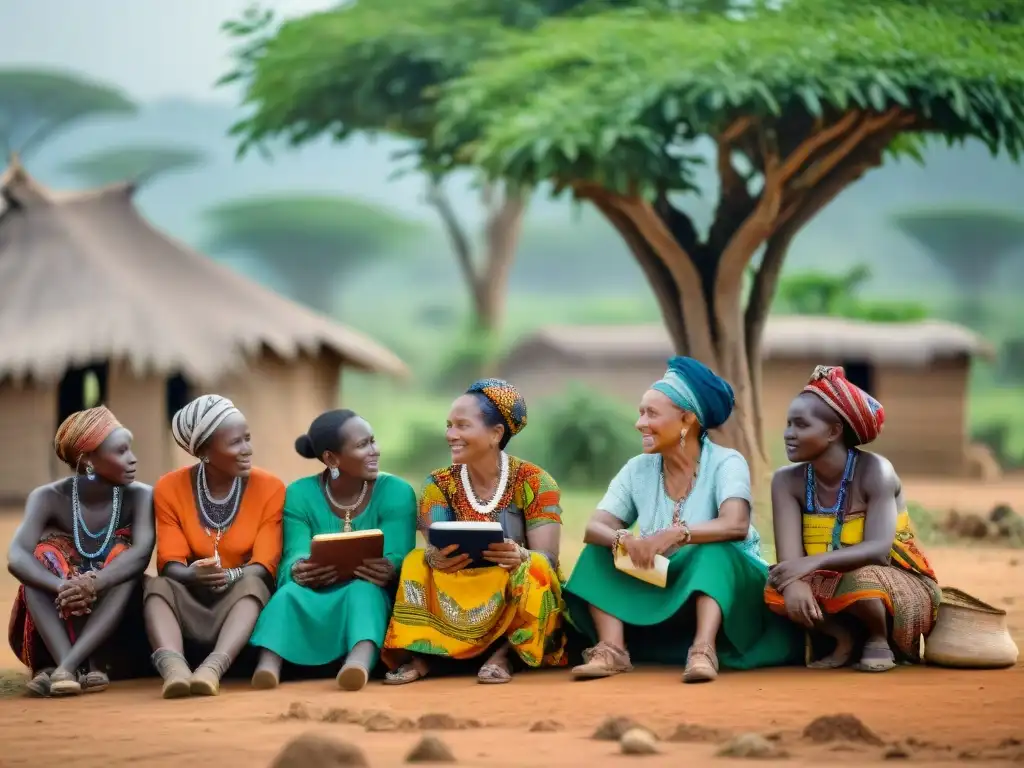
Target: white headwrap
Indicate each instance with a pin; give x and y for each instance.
(196, 422)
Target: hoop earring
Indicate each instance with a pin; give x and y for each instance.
(334, 472)
(90, 471)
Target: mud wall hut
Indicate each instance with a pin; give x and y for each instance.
(93, 297)
(919, 371)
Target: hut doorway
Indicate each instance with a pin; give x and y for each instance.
(861, 374)
(177, 394)
(81, 388)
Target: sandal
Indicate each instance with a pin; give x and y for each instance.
(94, 682)
(39, 685)
(603, 660)
(352, 677)
(205, 681)
(495, 674)
(701, 664)
(64, 683)
(405, 674)
(876, 658)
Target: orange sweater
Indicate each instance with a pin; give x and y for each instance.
(254, 537)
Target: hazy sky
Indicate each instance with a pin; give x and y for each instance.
(152, 48)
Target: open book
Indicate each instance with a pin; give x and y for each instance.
(346, 551)
(472, 538)
(657, 575)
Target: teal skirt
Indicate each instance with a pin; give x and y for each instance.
(660, 622)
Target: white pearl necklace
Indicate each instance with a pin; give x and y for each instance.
(499, 491)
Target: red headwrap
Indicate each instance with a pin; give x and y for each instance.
(857, 408)
(83, 432)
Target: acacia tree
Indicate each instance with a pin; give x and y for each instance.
(968, 244)
(36, 104)
(308, 243)
(604, 99)
(139, 164)
(283, 75)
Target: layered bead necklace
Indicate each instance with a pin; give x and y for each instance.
(348, 509)
(838, 509)
(677, 511)
(78, 525)
(217, 514)
(482, 509)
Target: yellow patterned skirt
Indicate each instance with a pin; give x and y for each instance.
(461, 615)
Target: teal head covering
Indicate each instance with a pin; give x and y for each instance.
(696, 388)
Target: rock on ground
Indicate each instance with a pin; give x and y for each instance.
(613, 728)
(311, 750)
(840, 728)
(638, 741)
(430, 749)
(751, 746)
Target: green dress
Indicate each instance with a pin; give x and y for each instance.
(660, 622)
(313, 627)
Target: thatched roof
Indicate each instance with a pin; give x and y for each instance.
(84, 277)
(825, 339)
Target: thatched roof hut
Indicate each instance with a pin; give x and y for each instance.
(918, 370)
(89, 288)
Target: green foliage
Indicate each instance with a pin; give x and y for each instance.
(832, 295)
(581, 438)
(1011, 359)
(309, 242)
(138, 164)
(35, 104)
(466, 361)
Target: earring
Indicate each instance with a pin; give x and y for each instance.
(682, 435)
(206, 459)
(90, 471)
(335, 473)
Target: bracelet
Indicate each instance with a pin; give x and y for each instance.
(524, 553)
(430, 555)
(687, 535)
(617, 542)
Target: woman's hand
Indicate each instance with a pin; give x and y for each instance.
(507, 554)
(307, 574)
(785, 573)
(642, 551)
(76, 595)
(801, 607)
(208, 575)
(446, 561)
(376, 570)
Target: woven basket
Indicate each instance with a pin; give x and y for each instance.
(969, 634)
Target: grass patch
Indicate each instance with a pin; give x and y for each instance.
(12, 683)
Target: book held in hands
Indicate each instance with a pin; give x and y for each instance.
(472, 538)
(346, 551)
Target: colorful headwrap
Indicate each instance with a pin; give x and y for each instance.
(506, 399)
(196, 422)
(856, 407)
(696, 388)
(83, 432)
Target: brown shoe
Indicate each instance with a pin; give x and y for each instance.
(205, 681)
(701, 664)
(175, 672)
(603, 660)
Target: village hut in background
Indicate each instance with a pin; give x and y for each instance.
(92, 294)
(918, 370)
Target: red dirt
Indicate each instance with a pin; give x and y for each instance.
(934, 714)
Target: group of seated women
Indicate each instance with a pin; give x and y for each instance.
(233, 551)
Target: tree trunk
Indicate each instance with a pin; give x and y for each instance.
(699, 282)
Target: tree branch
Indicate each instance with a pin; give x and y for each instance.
(457, 235)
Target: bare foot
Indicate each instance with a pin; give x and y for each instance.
(840, 657)
(877, 657)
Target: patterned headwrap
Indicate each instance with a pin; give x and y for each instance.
(83, 432)
(506, 399)
(196, 422)
(696, 388)
(856, 407)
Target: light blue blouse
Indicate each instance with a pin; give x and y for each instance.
(637, 494)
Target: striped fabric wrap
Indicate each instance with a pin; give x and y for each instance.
(194, 424)
(856, 407)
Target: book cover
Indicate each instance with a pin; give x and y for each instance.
(472, 538)
(346, 551)
(656, 576)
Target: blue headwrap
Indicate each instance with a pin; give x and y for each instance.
(696, 388)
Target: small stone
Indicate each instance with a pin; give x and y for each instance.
(613, 729)
(752, 746)
(297, 711)
(546, 726)
(433, 721)
(638, 741)
(828, 728)
(686, 733)
(385, 721)
(341, 715)
(311, 750)
(896, 752)
(430, 749)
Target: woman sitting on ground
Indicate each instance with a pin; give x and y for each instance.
(218, 526)
(314, 619)
(79, 553)
(443, 608)
(691, 500)
(849, 564)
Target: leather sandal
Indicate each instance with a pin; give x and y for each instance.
(603, 660)
(405, 674)
(175, 672)
(701, 664)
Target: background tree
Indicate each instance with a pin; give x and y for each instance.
(139, 164)
(36, 104)
(368, 92)
(970, 245)
(605, 99)
(308, 244)
(813, 292)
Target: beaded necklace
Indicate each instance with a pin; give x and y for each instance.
(78, 523)
(839, 508)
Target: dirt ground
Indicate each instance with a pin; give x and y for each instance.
(935, 715)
